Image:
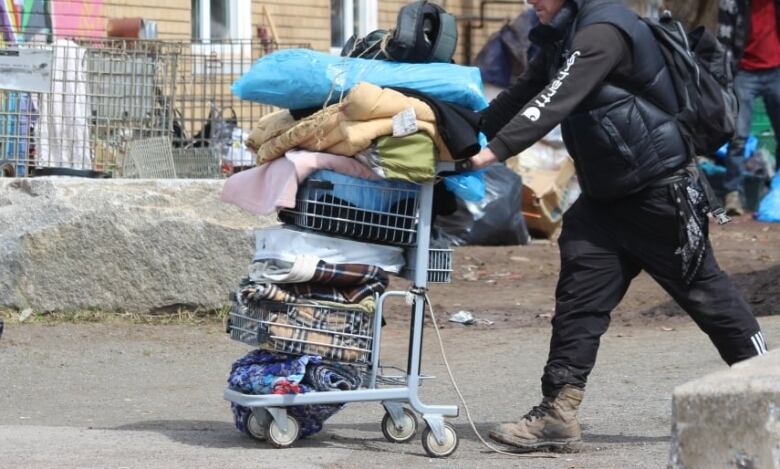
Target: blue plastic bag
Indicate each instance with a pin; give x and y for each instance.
(750, 146)
(468, 185)
(303, 78)
(769, 209)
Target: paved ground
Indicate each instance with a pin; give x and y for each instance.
(128, 396)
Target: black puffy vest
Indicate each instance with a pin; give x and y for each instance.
(623, 136)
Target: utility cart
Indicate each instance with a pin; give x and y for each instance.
(394, 216)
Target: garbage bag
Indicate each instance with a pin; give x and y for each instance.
(496, 220)
(505, 55)
(303, 78)
(769, 209)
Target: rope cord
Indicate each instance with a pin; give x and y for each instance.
(463, 400)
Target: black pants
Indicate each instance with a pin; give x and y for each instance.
(603, 247)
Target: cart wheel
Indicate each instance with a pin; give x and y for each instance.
(253, 428)
(434, 449)
(400, 433)
(279, 439)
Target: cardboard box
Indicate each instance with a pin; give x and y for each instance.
(545, 198)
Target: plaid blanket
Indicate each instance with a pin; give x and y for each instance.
(341, 283)
(251, 291)
(339, 335)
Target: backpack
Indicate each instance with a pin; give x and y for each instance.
(424, 33)
(701, 70)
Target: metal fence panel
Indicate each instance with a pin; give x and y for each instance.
(106, 94)
(208, 114)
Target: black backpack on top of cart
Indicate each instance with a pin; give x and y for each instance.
(424, 33)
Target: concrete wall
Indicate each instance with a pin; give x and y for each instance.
(729, 419)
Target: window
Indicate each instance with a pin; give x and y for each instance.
(221, 19)
(348, 17)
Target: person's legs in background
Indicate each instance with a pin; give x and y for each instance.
(747, 85)
(771, 95)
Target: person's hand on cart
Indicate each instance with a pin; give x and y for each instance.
(483, 159)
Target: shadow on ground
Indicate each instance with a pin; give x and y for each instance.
(219, 434)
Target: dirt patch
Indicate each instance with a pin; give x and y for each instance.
(515, 286)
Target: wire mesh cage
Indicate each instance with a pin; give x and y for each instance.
(208, 115)
(338, 334)
(103, 94)
(439, 265)
(197, 163)
(98, 96)
(376, 211)
(149, 158)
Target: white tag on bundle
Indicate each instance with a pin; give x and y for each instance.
(405, 123)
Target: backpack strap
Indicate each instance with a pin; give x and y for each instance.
(716, 209)
(447, 39)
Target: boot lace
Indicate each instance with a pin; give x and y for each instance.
(538, 411)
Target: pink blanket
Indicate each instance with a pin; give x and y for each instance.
(264, 189)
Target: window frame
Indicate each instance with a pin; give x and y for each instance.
(240, 25)
(237, 45)
(367, 19)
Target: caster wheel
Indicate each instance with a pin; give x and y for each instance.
(434, 449)
(279, 439)
(253, 428)
(403, 432)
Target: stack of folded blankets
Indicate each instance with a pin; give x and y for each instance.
(375, 133)
(312, 299)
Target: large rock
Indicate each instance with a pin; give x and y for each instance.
(730, 419)
(124, 245)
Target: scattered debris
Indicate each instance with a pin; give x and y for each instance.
(462, 317)
(25, 314)
(467, 319)
(544, 315)
(520, 259)
(472, 273)
(667, 329)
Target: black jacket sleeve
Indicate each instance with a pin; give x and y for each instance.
(507, 104)
(597, 50)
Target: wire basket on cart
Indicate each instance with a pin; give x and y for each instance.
(338, 334)
(378, 211)
(439, 265)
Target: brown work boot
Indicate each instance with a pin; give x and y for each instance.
(733, 205)
(551, 424)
